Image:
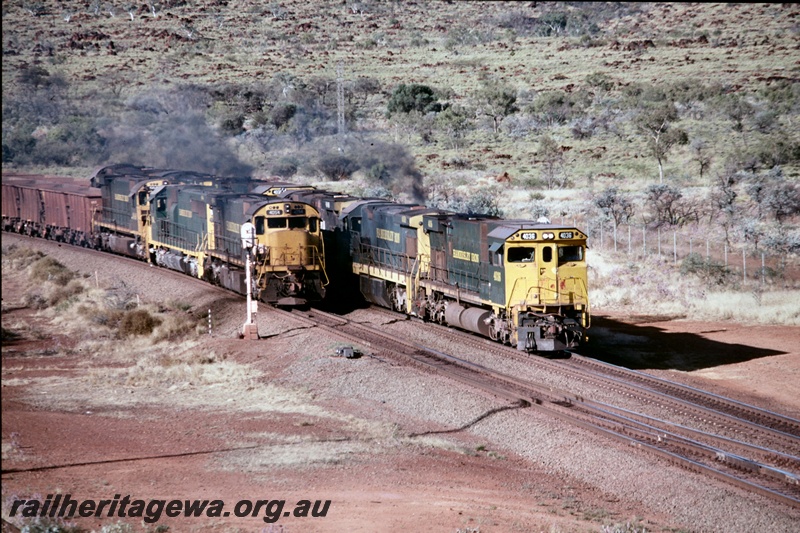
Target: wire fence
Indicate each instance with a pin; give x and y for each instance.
(695, 246)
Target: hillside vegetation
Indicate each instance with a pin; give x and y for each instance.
(657, 116)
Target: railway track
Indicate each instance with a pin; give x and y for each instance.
(776, 465)
(705, 410)
(767, 470)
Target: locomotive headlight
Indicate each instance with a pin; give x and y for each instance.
(548, 235)
(287, 207)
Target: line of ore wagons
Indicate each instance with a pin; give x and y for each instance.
(516, 281)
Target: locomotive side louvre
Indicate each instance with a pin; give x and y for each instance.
(467, 252)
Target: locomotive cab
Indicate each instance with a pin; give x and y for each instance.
(289, 252)
(288, 235)
(540, 287)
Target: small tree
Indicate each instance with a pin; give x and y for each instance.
(783, 200)
(723, 202)
(496, 102)
(281, 114)
(668, 207)
(655, 123)
(414, 97)
(553, 160)
(737, 109)
(701, 154)
(615, 206)
(453, 124)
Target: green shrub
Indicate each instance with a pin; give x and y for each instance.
(48, 269)
(285, 168)
(137, 322)
(101, 316)
(413, 97)
(63, 293)
(176, 326)
(20, 257)
(336, 167)
(35, 300)
(706, 269)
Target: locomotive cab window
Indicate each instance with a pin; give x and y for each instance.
(259, 225)
(142, 197)
(276, 223)
(312, 225)
(547, 254)
(567, 254)
(522, 254)
(496, 255)
(297, 223)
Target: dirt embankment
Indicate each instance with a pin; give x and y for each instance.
(280, 418)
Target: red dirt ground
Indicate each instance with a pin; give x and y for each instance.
(178, 452)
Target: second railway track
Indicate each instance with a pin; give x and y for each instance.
(770, 472)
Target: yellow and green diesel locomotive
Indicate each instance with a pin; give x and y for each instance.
(191, 222)
(519, 282)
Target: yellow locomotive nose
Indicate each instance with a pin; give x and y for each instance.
(286, 247)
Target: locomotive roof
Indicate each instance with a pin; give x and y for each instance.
(267, 185)
(364, 201)
(510, 227)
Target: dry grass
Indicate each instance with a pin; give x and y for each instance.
(76, 307)
(656, 286)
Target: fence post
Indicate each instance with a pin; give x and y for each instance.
(762, 268)
(659, 241)
(601, 235)
(726, 255)
(674, 247)
(744, 268)
(629, 239)
(615, 237)
(644, 240)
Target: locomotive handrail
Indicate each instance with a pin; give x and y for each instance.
(115, 217)
(175, 235)
(322, 263)
(383, 257)
(232, 247)
(584, 294)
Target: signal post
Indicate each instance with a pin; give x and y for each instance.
(250, 328)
